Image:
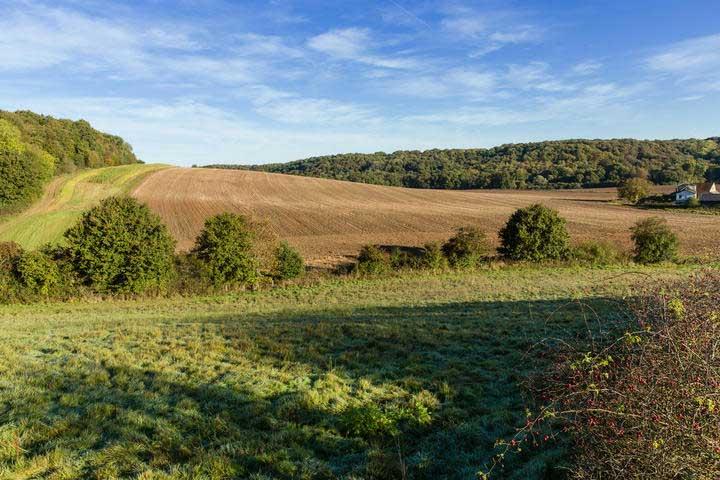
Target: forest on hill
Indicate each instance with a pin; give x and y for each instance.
(34, 148)
(551, 164)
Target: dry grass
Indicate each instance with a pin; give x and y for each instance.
(328, 220)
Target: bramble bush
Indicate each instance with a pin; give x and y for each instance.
(225, 246)
(534, 233)
(467, 248)
(120, 246)
(654, 241)
(289, 263)
(644, 403)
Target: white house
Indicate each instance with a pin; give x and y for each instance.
(705, 192)
(685, 192)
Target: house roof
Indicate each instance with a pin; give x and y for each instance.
(686, 187)
(706, 187)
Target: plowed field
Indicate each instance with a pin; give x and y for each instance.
(329, 220)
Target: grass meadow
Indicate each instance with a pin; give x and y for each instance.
(66, 198)
(412, 376)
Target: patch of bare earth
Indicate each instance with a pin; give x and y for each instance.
(329, 220)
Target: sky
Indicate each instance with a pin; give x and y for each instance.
(213, 81)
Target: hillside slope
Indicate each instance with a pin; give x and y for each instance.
(65, 198)
(543, 165)
(329, 220)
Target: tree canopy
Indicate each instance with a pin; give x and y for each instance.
(34, 147)
(553, 164)
(72, 144)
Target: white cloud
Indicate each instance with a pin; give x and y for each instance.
(355, 44)
(693, 56)
(588, 103)
(291, 108)
(487, 32)
(466, 26)
(586, 68)
(535, 76)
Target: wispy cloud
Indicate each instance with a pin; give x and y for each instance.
(355, 44)
(292, 108)
(586, 68)
(488, 31)
(696, 55)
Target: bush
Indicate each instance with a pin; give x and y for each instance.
(534, 233)
(634, 189)
(467, 248)
(9, 253)
(225, 246)
(372, 261)
(654, 241)
(597, 253)
(646, 405)
(288, 262)
(120, 246)
(693, 202)
(38, 273)
(432, 257)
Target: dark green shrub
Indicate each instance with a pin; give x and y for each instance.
(288, 262)
(654, 241)
(432, 257)
(372, 261)
(225, 246)
(534, 233)
(38, 273)
(597, 253)
(120, 246)
(191, 275)
(467, 248)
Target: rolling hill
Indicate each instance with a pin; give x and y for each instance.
(65, 198)
(329, 220)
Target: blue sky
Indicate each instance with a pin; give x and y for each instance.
(210, 81)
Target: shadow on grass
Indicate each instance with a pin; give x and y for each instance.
(235, 396)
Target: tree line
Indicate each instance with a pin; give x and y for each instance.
(34, 148)
(543, 165)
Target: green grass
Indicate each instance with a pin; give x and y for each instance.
(343, 379)
(64, 201)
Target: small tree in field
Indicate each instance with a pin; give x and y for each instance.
(654, 241)
(225, 246)
(288, 262)
(534, 233)
(634, 189)
(467, 247)
(372, 261)
(120, 246)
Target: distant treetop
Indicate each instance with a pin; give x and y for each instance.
(552, 164)
(73, 144)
